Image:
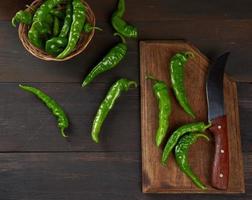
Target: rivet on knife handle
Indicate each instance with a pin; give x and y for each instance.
(220, 171)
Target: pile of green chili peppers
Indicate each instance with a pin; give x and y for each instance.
(56, 26)
(186, 135)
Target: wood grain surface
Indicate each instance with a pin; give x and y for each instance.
(154, 60)
(37, 164)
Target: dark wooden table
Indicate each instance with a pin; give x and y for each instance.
(37, 164)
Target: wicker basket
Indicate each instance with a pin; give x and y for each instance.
(83, 42)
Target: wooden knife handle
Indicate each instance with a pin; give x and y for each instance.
(220, 169)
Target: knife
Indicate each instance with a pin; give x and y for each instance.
(217, 117)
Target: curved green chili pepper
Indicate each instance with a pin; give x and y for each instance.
(22, 16)
(107, 104)
(67, 21)
(181, 155)
(42, 12)
(120, 25)
(79, 17)
(52, 105)
(48, 19)
(56, 26)
(55, 45)
(160, 90)
(193, 127)
(34, 36)
(36, 33)
(40, 24)
(88, 28)
(177, 79)
(58, 13)
(112, 59)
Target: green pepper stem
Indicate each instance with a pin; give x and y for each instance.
(122, 38)
(189, 54)
(13, 22)
(132, 84)
(208, 126)
(21, 86)
(203, 136)
(150, 77)
(62, 133)
(97, 28)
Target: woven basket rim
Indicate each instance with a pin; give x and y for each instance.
(82, 44)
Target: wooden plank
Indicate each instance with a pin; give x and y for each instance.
(155, 10)
(27, 125)
(92, 176)
(215, 37)
(18, 65)
(156, 178)
(68, 175)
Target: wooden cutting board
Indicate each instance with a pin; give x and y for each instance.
(154, 58)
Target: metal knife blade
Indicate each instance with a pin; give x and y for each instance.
(217, 117)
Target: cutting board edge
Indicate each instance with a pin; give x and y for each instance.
(234, 84)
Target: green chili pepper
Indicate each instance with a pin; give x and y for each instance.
(34, 36)
(43, 11)
(40, 24)
(56, 45)
(160, 90)
(107, 104)
(52, 105)
(177, 79)
(120, 25)
(58, 13)
(112, 59)
(88, 28)
(48, 19)
(193, 127)
(181, 155)
(68, 20)
(79, 17)
(22, 16)
(37, 32)
(56, 26)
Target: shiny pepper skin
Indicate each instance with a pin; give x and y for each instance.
(41, 25)
(122, 85)
(120, 25)
(177, 79)
(193, 127)
(46, 8)
(22, 16)
(111, 60)
(56, 109)
(160, 90)
(79, 17)
(67, 21)
(56, 26)
(181, 155)
(56, 45)
(34, 37)
(58, 13)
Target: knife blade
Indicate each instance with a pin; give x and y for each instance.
(217, 117)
